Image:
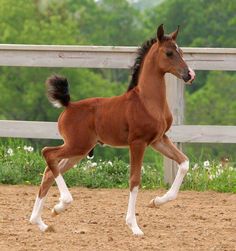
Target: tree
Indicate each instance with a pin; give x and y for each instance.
(214, 104)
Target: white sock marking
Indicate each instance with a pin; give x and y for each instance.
(64, 192)
(173, 192)
(65, 196)
(130, 217)
(36, 214)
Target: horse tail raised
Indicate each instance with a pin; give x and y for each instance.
(58, 91)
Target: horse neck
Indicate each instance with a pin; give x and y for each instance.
(152, 85)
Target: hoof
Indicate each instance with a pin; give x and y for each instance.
(161, 200)
(165, 198)
(60, 207)
(152, 204)
(54, 212)
(137, 232)
(50, 229)
(135, 229)
(41, 225)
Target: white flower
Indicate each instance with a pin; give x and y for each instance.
(231, 168)
(94, 164)
(143, 170)
(109, 163)
(211, 177)
(28, 148)
(219, 172)
(195, 167)
(10, 152)
(91, 164)
(206, 163)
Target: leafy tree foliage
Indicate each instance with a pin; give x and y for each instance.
(215, 103)
(203, 23)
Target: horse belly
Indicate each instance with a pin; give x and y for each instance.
(112, 129)
(112, 133)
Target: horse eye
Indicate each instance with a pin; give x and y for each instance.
(169, 53)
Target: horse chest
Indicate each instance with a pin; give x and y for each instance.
(162, 118)
(147, 128)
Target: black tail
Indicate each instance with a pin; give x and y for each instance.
(58, 91)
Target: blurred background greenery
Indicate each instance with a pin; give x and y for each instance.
(210, 100)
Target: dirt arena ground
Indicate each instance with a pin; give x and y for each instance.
(95, 221)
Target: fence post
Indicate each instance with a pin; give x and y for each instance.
(175, 97)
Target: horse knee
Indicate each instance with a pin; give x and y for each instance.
(134, 182)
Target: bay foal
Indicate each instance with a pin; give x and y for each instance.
(137, 119)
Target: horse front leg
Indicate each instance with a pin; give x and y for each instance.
(136, 158)
(167, 148)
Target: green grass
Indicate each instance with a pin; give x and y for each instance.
(21, 164)
(211, 175)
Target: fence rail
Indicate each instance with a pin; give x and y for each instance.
(122, 58)
(177, 133)
(106, 56)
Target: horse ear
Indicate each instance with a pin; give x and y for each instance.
(175, 34)
(160, 32)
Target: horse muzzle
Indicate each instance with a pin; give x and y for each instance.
(189, 76)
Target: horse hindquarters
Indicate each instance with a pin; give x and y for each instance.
(79, 139)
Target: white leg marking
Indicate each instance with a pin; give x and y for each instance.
(173, 192)
(65, 196)
(130, 217)
(36, 214)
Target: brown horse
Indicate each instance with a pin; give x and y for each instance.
(137, 119)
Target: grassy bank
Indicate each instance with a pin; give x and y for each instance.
(22, 164)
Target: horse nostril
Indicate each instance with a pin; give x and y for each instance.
(186, 77)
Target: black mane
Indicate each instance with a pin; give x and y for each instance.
(142, 51)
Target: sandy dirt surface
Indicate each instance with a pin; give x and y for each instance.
(96, 221)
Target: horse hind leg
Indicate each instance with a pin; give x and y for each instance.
(63, 166)
(46, 183)
(52, 156)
